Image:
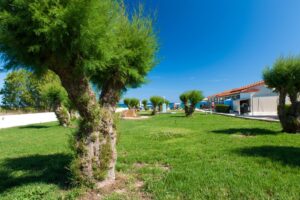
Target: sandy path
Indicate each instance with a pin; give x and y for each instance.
(7, 121)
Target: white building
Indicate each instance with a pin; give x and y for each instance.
(253, 99)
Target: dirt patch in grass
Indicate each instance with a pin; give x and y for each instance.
(136, 118)
(162, 167)
(126, 187)
(167, 133)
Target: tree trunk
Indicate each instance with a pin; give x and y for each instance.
(109, 99)
(295, 112)
(186, 109)
(154, 110)
(92, 145)
(282, 112)
(62, 115)
(285, 114)
(191, 110)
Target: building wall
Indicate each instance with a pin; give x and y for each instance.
(266, 105)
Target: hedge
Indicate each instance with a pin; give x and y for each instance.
(221, 108)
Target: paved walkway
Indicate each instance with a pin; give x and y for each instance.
(7, 121)
(268, 118)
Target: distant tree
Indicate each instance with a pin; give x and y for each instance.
(22, 90)
(145, 104)
(134, 103)
(127, 102)
(190, 100)
(156, 101)
(14, 90)
(284, 77)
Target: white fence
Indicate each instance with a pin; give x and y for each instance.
(7, 121)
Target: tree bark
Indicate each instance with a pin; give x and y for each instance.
(92, 145)
(62, 115)
(191, 110)
(295, 112)
(109, 99)
(154, 110)
(282, 112)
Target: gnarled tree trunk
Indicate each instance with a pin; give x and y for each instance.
(62, 114)
(109, 98)
(92, 145)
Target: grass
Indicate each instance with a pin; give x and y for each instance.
(203, 157)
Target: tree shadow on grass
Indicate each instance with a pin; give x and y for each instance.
(49, 169)
(179, 116)
(34, 126)
(283, 154)
(247, 131)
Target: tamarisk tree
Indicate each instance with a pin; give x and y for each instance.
(284, 77)
(190, 100)
(133, 57)
(132, 103)
(80, 41)
(156, 101)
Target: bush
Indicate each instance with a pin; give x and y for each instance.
(221, 108)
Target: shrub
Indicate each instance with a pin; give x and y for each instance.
(190, 100)
(221, 108)
(156, 101)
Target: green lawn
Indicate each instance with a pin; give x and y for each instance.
(204, 157)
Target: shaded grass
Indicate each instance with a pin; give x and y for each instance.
(34, 161)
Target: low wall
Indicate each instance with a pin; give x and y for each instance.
(7, 121)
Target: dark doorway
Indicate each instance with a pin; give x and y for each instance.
(245, 106)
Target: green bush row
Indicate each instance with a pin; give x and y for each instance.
(221, 108)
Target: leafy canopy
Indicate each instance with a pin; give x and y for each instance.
(72, 34)
(156, 100)
(132, 102)
(134, 55)
(284, 75)
(23, 89)
(191, 97)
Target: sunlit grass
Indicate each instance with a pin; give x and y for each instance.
(203, 157)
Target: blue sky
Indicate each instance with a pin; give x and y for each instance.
(214, 45)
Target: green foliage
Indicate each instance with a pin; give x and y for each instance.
(24, 90)
(285, 74)
(190, 99)
(284, 77)
(127, 102)
(134, 54)
(221, 108)
(49, 34)
(55, 94)
(132, 103)
(156, 101)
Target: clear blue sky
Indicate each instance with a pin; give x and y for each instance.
(213, 45)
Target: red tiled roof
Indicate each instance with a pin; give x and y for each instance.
(247, 88)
